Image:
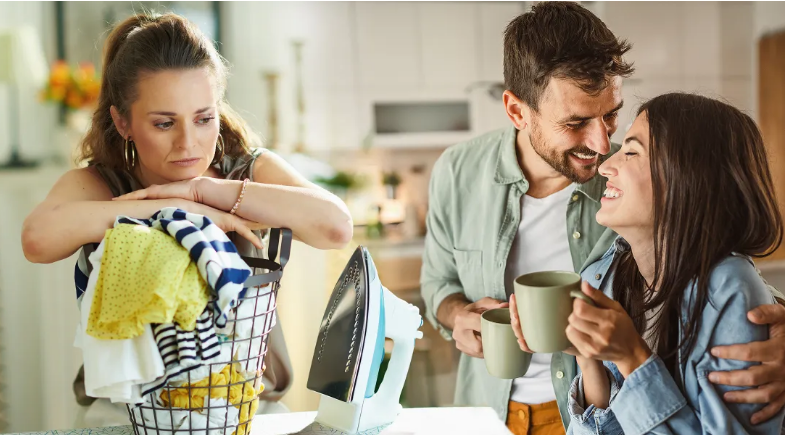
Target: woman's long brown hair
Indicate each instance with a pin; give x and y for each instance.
(713, 195)
(148, 43)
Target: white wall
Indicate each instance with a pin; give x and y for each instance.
(38, 316)
(258, 38)
(702, 47)
(769, 17)
(38, 325)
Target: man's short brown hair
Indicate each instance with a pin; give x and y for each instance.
(561, 40)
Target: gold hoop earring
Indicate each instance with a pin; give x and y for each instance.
(219, 159)
(129, 154)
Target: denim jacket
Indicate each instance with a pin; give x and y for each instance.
(649, 400)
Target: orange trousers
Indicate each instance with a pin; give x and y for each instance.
(541, 419)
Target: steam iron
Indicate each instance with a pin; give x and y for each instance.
(360, 314)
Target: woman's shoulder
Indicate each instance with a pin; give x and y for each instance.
(736, 278)
(84, 184)
(241, 166)
(599, 274)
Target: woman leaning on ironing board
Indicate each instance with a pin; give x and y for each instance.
(162, 136)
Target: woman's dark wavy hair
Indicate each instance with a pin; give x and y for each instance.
(713, 195)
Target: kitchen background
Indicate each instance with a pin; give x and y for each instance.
(361, 97)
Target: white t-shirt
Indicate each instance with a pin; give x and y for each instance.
(540, 244)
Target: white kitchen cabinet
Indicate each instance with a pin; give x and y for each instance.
(431, 44)
(699, 47)
(358, 54)
(448, 41)
(412, 46)
(738, 92)
(637, 91)
(493, 20)
(655, 30)
(488, 112)
(737, 24)
(701, 42)
(454, 45)
(388, 44)
(689, 40)
(329, 79)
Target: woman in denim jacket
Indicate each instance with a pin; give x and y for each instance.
(691, 196)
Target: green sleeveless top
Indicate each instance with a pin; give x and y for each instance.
(278, 372)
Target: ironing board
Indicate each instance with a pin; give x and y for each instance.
(411, 421)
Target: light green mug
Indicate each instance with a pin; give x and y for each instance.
(544, 302)
(503, 356)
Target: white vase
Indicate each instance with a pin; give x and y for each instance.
(70, 135)
(79, 120)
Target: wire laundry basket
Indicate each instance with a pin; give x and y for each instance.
(222, 396)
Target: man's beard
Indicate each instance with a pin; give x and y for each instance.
(561, 161)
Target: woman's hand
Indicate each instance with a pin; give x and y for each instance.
(606, 332)
(186, 189)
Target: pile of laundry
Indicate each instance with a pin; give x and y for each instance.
(167, 326)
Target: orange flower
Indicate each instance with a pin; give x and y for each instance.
(73, 100)
(57, 93)
(60, 74)
(72, 87)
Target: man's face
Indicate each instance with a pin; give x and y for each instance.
(572, 130)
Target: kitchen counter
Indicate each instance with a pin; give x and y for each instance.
(391, 245)
(398, 259)
(411, 421)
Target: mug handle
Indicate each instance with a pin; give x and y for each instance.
(579, 294)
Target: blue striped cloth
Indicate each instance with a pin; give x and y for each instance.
(183, 351)
(216, 257)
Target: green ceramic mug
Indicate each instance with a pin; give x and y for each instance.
(544, 302)
(503, 356)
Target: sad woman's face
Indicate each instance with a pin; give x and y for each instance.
(174, 125)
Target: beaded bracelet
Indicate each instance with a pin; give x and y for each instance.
(239, 198)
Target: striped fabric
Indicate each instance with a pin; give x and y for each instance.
(183, 351)
(82, 270)
(215, 256)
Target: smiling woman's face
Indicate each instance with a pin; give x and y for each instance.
(174, 124)
(628, 202)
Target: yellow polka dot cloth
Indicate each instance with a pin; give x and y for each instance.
(241, 393)
(146, 277)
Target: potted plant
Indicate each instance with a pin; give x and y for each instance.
(340, 183)
(391, 180)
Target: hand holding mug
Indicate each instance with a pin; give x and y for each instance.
(606, 332)
(467, 326)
